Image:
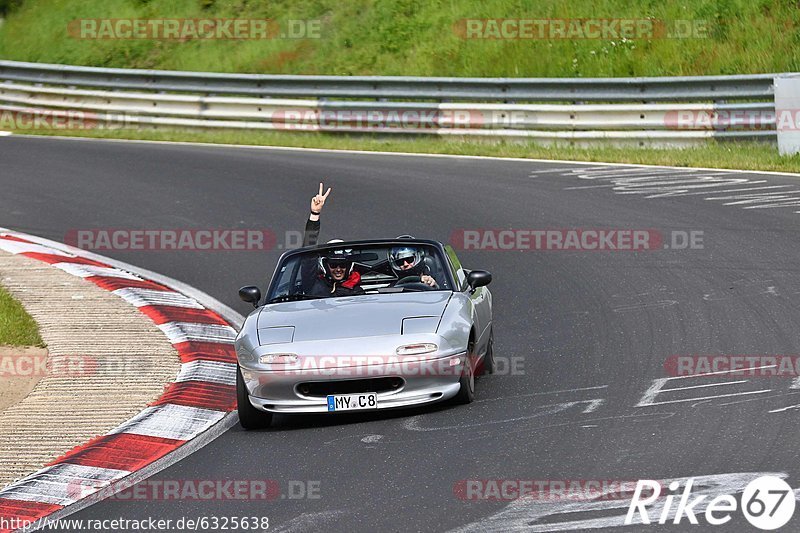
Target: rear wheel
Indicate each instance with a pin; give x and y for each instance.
(249, 416)
(467, 381)
(488, 359)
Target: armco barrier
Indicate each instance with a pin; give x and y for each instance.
(669, 111)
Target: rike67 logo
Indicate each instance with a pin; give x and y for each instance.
(767, 502)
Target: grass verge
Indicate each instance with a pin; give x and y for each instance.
(409, 37)
(737, 156)
(17, 328)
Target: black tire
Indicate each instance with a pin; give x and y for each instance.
(488, 360)
(249, 416)
(466, 393)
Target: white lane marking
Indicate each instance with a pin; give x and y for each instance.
(666, 183)
(62, 484)
(585, 165)
(704, 386)
(5, 133)
(214, 371)
(657, 387)
(143, 297)
(178, 332)
(796, 406)
(541, 393)
(171, 421)
(579, 188)
(86, 271)
(413, 424)
(593, 405)
(535, 173)
(542, 515)
(758, 399)
(662, 188)
(652, 305)
(705, 398)
(747, 189)
(591, 173)
(371, 438)
(720, 372)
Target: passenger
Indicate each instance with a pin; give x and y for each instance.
(335, 275)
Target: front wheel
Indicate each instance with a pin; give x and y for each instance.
(466, 393)
(249, 416)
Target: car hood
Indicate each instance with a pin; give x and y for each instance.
(347, 317)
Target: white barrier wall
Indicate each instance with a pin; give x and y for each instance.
(787, 113)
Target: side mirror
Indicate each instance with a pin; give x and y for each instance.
(478, 278)
(250, 294)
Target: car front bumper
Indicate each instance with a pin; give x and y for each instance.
(423, 382)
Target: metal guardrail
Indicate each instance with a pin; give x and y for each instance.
(654, 111)
(756, 86)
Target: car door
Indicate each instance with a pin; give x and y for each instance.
(481, 299)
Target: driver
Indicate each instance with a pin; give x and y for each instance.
(409, 261)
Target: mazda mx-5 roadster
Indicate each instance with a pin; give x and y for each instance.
(363, 325)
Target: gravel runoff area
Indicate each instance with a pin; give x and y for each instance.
(106, 362)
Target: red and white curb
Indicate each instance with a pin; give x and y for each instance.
(197, 407)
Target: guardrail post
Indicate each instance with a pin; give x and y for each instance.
(787, 113)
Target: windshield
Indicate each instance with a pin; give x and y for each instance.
(355, 270)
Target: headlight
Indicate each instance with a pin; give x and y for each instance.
(416, 349)
(278, 359)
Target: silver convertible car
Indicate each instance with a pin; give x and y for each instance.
(397, 336)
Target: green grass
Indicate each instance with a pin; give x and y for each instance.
(411, 37)
(742, 155)
(17, 328)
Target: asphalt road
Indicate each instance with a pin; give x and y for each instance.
(587, 332)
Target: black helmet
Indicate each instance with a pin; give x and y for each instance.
(336, 257)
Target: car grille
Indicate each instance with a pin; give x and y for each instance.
(321, 389)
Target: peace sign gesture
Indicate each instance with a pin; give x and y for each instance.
(319, 200)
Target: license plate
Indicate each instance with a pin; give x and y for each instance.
(352, 402)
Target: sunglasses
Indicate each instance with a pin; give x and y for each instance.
(337, 264)
(404, 260)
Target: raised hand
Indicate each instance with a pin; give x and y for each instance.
(319, 200)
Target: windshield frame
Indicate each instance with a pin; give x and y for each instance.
(290, 254)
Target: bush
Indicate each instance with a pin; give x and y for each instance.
(7, 6)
